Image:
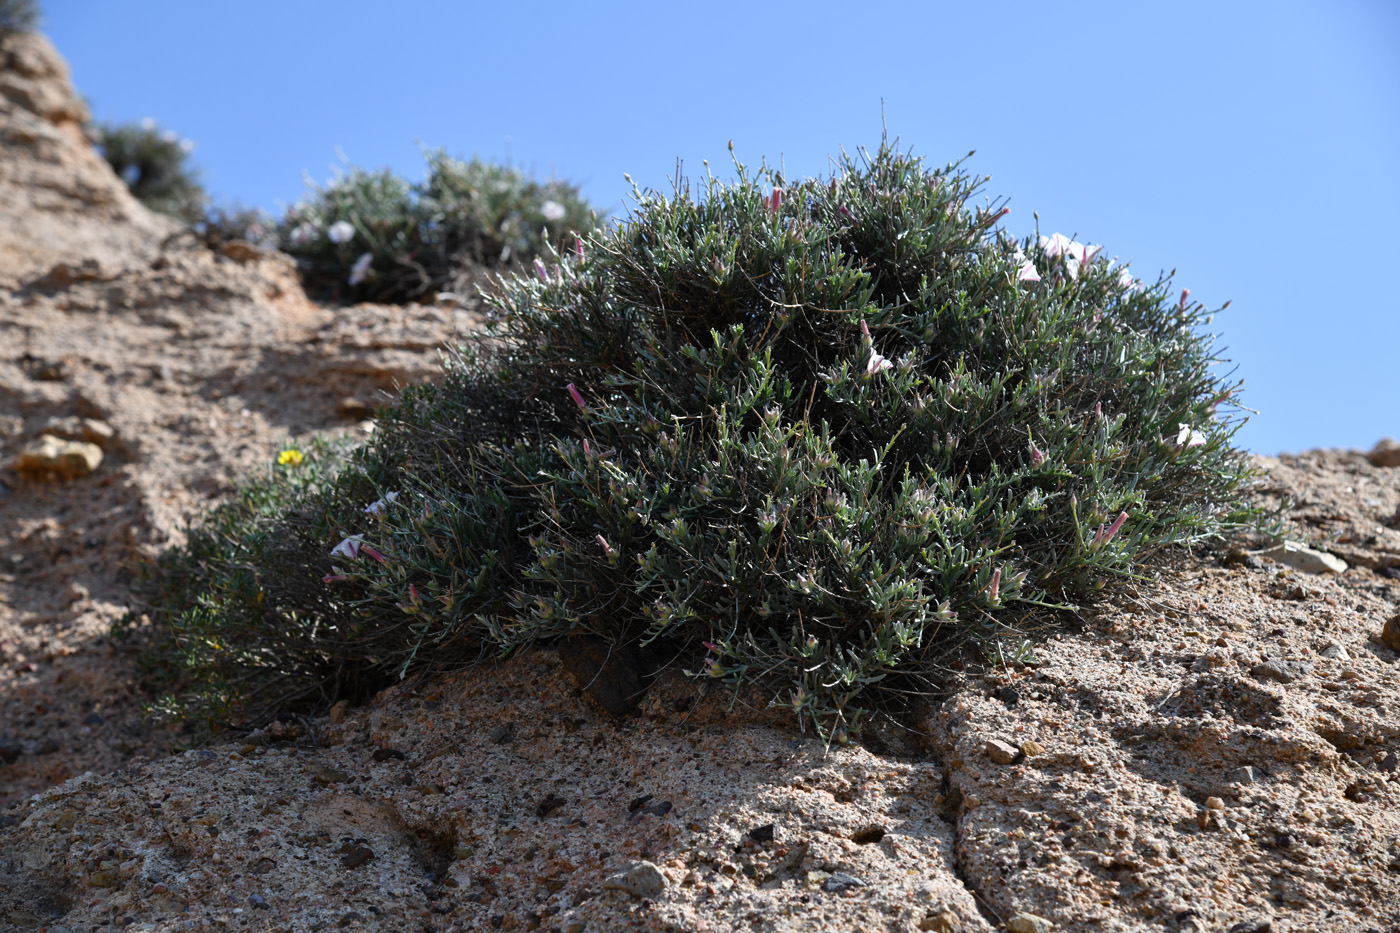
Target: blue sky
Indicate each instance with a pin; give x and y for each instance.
(1254, 147)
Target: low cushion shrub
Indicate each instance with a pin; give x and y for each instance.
(803, 433)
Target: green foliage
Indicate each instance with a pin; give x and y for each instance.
(416, 239)
(155, 166)
(808, 440)
(206, 596)
(223, 224)
(19, 15)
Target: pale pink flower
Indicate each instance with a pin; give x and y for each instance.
(1026, 271)
(303, 235)
(553, 210)
(342, 231)
(1037, 455)
(1188, 436)
(1076, 255)
(877, 363)
(379, 505)
(360, 270)
(350, 547)
(1126, 281)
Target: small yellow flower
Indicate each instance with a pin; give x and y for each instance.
(289, 458)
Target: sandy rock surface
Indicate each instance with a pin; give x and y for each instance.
(65, 213)
(188, 368)
(1215, 749)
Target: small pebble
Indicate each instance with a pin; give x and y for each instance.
(1028, 923)
(840, 882)
(1390, 633)
(641, 879)
(1001, 752)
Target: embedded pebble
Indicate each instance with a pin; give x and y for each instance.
(642, 879)
(1390, 633)
(1001, 752)
(1028, 923)
(1285, 672)
(840, 882)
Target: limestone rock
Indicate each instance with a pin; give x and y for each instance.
(242, 251)
(87, 430)
(1299, 557)
(1386, 453)
(54, 456)
(1028, 923)
(1003, 753)
(641, 879)
(61, 201)
(1390, 633)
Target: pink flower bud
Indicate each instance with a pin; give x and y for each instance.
(864, 328)
(335, 578)
(996, 585)
(846, 212)
(607, 548)
(1182, 303)
(1037, 455)
(775, 201)
(1113, 529)
(587, 452)
(578, 398)
(413, 594)
(373, 552)
(541, 271)
(578, 248)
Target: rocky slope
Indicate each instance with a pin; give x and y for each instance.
(1216, 749)
(191, 368)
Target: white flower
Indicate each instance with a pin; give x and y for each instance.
(303, 234)
(1076, 254)
(148, 124)
(877, 364)
(350, 547)
(1189, 436)
(374, 508)
(1026, 272)
(1126, 280)
(187, 146)
(360, 270)
(341, 232)
(169, 136)
(553, 210)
